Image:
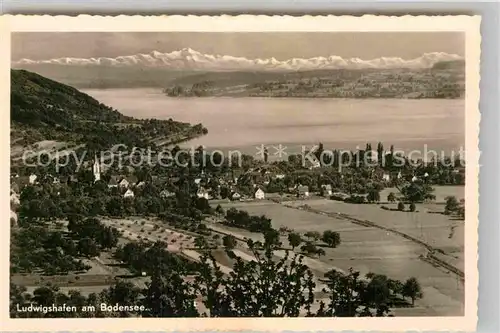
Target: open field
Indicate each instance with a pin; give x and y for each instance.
(441, 192)
(440, 231)
(366, 249)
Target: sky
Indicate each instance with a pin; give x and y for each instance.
(282, 46)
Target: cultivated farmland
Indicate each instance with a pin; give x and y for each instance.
(366, 249)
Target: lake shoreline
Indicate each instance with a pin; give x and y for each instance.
(244, 123)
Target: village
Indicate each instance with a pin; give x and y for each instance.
(377, 221)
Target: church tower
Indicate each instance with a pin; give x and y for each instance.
(96, 169)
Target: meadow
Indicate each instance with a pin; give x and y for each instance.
(366, 249)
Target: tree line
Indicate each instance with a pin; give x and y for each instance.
(264, 287)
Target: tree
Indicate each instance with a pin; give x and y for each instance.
(169, 295)
(309, 248)
(229, 242)
(320, 252)
(264, 287)
(200, 242)
(417, 192)
(121, 293)
(373, 195)
(272, 238)
(452, 205)
(283, 230)
(45, 296)
(412, 289)
(314, 235)
(294, 239)
(219, 210)
(331, 238)
(396, 286)
(88, 247)
(18, 297)
(391, 197)
(401, 206)
(345, 293)
(377, 290)
(380, 153)
(203, 205)
(412, 207)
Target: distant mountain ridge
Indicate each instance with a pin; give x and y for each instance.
(189, 59)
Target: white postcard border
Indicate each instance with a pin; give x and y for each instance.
(468, 24)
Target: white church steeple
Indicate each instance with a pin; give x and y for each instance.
(96, 169)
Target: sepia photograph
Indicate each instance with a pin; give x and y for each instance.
(241, 174)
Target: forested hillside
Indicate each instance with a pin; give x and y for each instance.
(43, 109)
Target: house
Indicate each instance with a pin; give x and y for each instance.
(280, 176)
(314, 164)
(141, 184)
(13, 218)
(303, 191)
(326, 190)
(124, 183)
(259, 194)
(202, 193)
(129, 194)
(373, 156)
(414, 179)
(197, 181)
(386, 177)
(20, 183)
(235, 196)
(166, 194)
(132, 180)
(113, 181)
(14, 187)
(14, 199)
(32, 178)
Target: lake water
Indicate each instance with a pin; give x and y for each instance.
(245, 123)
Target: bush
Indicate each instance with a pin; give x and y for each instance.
(412, 207)
(401, 206)
(142, 230)
(357, 199)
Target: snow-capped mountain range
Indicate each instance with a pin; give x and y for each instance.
(193, 60)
